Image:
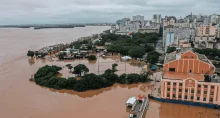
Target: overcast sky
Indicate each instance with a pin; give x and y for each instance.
(92, 11)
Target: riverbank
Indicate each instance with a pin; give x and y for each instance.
(15, 42)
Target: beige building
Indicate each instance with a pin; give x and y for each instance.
(184, 78)
(205, 30)
(169, 22)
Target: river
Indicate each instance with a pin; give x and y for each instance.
(20, 98)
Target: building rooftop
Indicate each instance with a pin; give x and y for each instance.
(174, 56)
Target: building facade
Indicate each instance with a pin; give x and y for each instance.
(156, 18)
(205, 30)
(170, 38)
(184, 75)
(139, 18)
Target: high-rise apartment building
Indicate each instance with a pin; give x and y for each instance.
(139, 18)
(156, 18)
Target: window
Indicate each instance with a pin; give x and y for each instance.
(185, 96)
(185, 57)
(212, 87)
(211, 99)
(192, 97)
(168, 95)
(212, 93)
(198, 91)
(180, 90)
(199, 86)
(180, 96)
(205, 86)
(172, 69)
(180, 84)
(174, 96)
(186, 90)
(174, 89)
(204, 99)
(168, 83)
(198, 98)
(205, 92)
(192, 91)
(191, 56)
(190, 71)
(174, 84)
(168, 89)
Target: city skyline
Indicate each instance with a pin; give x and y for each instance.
(96, 11)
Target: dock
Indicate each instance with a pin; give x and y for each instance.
(138, 107)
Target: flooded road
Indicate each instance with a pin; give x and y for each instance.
(20, 98)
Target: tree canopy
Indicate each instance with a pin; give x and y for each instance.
(127, 45)
(80, 69)
(46, 76)
(153, 57)
(61, 55)
(92, 57)
(171, 49)
(30, 54)
(136, 52)
(210, 53)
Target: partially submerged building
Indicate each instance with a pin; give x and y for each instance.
(189, 76)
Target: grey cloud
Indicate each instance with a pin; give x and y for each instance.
(75, 11)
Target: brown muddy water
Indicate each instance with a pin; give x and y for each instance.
(20, 98)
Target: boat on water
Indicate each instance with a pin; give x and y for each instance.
(138, 106)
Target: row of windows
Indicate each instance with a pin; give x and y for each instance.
(192, 91)
(199, 86)
(173, 70)
(206, 86)
(174, 84)
(192, 97)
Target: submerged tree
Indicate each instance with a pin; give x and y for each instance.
(61, 55)
(69, 66)
(114, 69)
(30, 54)
(79, 69)
(92, 57)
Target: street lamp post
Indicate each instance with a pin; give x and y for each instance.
(200, 113)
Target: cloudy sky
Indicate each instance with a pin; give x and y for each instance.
(92, 11)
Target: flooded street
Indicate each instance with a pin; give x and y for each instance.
(20, 98)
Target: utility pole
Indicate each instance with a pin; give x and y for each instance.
(125, 67)
(98, 64)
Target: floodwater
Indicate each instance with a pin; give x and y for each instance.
(20, 98)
